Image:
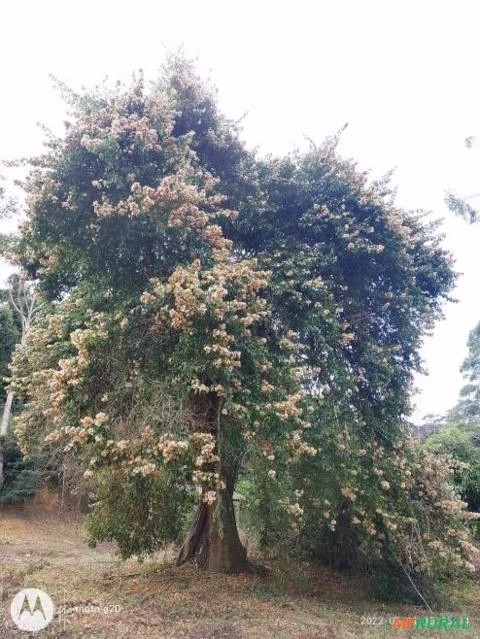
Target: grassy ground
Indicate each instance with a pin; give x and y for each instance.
(157, 600)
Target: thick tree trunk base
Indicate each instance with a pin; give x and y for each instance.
(213, 544)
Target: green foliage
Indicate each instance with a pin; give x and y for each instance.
(463, 444)
(461, 207)
(467, 410)
(8, 209)
(368, 507)
(21, 476)
(9, 337)
(359, 279)
(140, 513)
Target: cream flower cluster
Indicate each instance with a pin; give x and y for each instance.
(204, 444)
(172, 450)
(298, 447)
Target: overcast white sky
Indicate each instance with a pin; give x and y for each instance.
(403, 73)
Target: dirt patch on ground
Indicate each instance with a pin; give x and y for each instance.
(98, 596)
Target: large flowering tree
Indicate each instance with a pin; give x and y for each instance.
(160, 364)
(212, 314)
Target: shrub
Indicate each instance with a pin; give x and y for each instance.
(394, 513)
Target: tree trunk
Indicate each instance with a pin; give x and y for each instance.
(3, 431)
(7, 410)
(212, 542)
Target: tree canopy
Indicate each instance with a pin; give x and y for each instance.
(467, 409)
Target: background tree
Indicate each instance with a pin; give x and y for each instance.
(462, 443)
(460, 205)
(22, 301)
(9, 335)
(18, 312)
(9, 326)
(467, 409)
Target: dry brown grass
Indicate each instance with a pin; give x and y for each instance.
(41, 549)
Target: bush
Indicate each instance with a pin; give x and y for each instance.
(392, 512)
(141, 513)
(462, 443)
